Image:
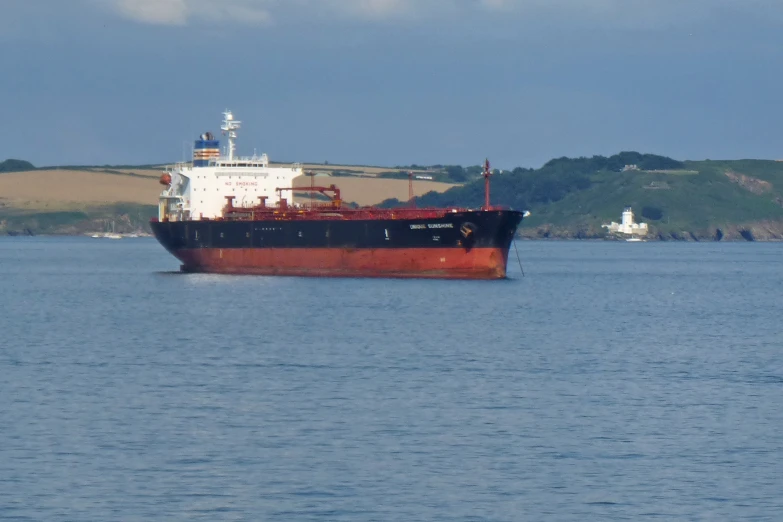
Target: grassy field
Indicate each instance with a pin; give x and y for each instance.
(84, 200)
(358, 170)
(368, 191)
(700, 197)
(71, 190)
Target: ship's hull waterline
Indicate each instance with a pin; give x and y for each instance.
(464, 245)
(441, 263)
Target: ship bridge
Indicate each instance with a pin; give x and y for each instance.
(198, 190)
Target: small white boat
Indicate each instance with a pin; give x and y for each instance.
(108, 235)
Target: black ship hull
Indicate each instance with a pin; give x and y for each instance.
(459, 245)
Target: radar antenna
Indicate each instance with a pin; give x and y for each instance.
(229, 128)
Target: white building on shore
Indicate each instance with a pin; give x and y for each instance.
(627, 226)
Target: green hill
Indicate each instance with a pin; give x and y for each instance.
(15, 165)
(124, 217)
(691, 200)
(568, 198)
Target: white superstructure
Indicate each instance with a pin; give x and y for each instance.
(627, 226)
(198, 190)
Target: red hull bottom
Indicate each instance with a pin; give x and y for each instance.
(433, 263)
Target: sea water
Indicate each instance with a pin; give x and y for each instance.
(614, 381)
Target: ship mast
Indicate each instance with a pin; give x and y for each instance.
(411, 197)
(487, 174)
(229, 128)
(312, 188)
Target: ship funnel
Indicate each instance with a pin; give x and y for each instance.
(205, 149)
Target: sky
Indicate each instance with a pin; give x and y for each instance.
(391, 82)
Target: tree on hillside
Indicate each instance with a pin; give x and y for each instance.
(614, 163)
(15, 165)
(456, 173)
(652, 213)
(522, 188)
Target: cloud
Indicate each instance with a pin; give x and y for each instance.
(641, 13)
(180, 12)
(168, 12)
(373, 8)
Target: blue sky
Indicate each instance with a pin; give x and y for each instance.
(391, 81)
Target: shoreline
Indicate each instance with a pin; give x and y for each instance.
(101, 235)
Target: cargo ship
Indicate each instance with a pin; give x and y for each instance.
(226, 214)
